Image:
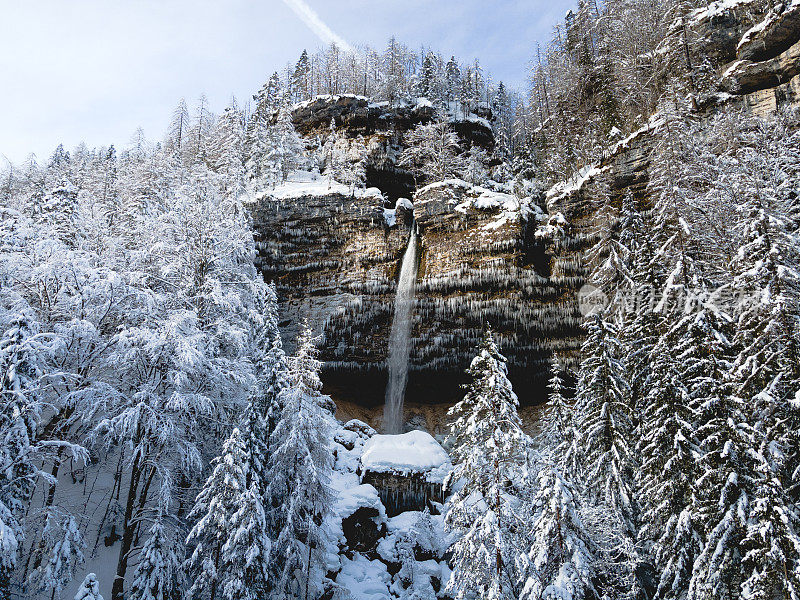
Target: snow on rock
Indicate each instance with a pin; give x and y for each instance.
(404, 203)
(715, 9)
(326, 98)
(360, 496)
(365, 579)
(390, 216)
(403, 525)
(301, 184)
(461, 197)
(564, 188)
(412, 452)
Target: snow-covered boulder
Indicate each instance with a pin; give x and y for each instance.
(358, 518)
(408, 470)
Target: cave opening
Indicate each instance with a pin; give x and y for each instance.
(393, 183)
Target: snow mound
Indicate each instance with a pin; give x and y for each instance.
(412, 452)
(361, 496)
(365, 579)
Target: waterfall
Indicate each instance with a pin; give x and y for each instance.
(400, 338)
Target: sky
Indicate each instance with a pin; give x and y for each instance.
(96, 70)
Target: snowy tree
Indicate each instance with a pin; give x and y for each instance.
(452, 78)
(299, 476)
(264, 404)
(557, 432)
(488, 446)
(228, 146)
(604, 421)
(301, 79)
(89, 589)
(432, 152)
(159, 574)
(269, 98)
(724, 488)
(606, 463)
(178, 130)
(668, 449)
(247, 555)
(20, 413)
(214, 510)
(63, 549)
(276, 149)
(560, 561)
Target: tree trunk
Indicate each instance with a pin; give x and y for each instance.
(117, 590)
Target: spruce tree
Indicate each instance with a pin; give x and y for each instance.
(158, 575)
(560, 560)
(298, 486)
(213, 513)
(604, 421)
(488, 450)
(89, 589)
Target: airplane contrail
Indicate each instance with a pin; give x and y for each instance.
(310, 17)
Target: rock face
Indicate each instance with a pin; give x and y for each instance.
(335, 256)
(764, 72)
(357, 115)
(335, 261)
(755, 57)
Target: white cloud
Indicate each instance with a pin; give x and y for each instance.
(310, 17)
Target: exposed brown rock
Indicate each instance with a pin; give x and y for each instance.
(779, 32)
(746, 77)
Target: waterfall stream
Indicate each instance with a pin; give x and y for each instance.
(400, 338)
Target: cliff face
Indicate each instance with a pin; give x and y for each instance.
(335, 259)
(754, 59)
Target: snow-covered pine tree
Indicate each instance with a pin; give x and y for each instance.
(247, 554)
(63, 548)
(264, 404)
(604, 421)
(766, 376)
(284, 148)
(725, 481)
(20, 412)
(228, 147)
(558, 439)
(767, 368)
(298, 487)
(671, 530)
(178, 130)
(218, 501)
(606, 464)
(89, 589)
(488, 449)
(335, 155)
(159, 574)
(559, 561)
(771, 545)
